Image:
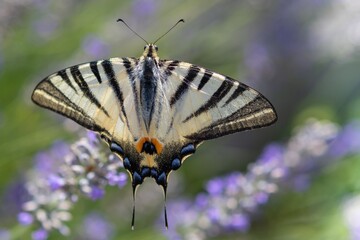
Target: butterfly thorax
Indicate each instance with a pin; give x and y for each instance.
(148, 81)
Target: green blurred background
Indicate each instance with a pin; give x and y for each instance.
(302, 55)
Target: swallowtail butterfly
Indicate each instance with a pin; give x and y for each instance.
(153, 113)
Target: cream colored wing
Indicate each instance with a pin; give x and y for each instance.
(98, 95)
(206, 105)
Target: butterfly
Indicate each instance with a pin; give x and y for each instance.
(153, 113)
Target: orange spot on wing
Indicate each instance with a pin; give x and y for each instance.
(139, 144)
(158, 145)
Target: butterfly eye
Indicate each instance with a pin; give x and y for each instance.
(156, 48)
(144, 47)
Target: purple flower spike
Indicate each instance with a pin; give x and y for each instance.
(48, 162)
(239, 222)
(215, 186)
(40, 234)
(144, 8)
(273, 152)
(261, 198)
(95, 47)
(118, 179)
(60, 176)
(25, 218)
(44, 163)
(96, 193)
(112, 178)
(348, 141)
(202, 200)
(230, 202)
(302, 182)
(214, 214)
(55, 182)
(95, 227)
(92, 137)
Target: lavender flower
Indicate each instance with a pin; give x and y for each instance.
(48, 162)
(144, 8)
(258, 60)
(49, 209)
(348, 140)
(92, 169)
(95, 47)
(63, 174)
(13, 198)
(230, 201)
(95, 227)
(40, 234)
(25, 218)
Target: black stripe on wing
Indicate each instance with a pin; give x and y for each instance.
(65, 77)
(185, 84)
(238, 91)
(205, 79)
(110, 74)
(170, 68)
(237, 121)
(71, 110)
(76, 74)
(95, 70)
(130, 72)
(218, 95)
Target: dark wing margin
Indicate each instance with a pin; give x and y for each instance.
(256, 114)
(49, 96)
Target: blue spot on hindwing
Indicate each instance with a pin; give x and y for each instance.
(187, 150)
(161, 180)
(114, 147)
(137, 179)
(127, 164)
(154, 173)
(145, 172)
(175, 164)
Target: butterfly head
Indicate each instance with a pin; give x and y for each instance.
(150, 50)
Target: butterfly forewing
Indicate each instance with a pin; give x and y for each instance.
(94, 95)
(208, 105)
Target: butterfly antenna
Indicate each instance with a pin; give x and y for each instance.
(120, 20)
(181, 20)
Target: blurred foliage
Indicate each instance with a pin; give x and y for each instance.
(272, 45)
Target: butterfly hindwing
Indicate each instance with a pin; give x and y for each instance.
(207, 105)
